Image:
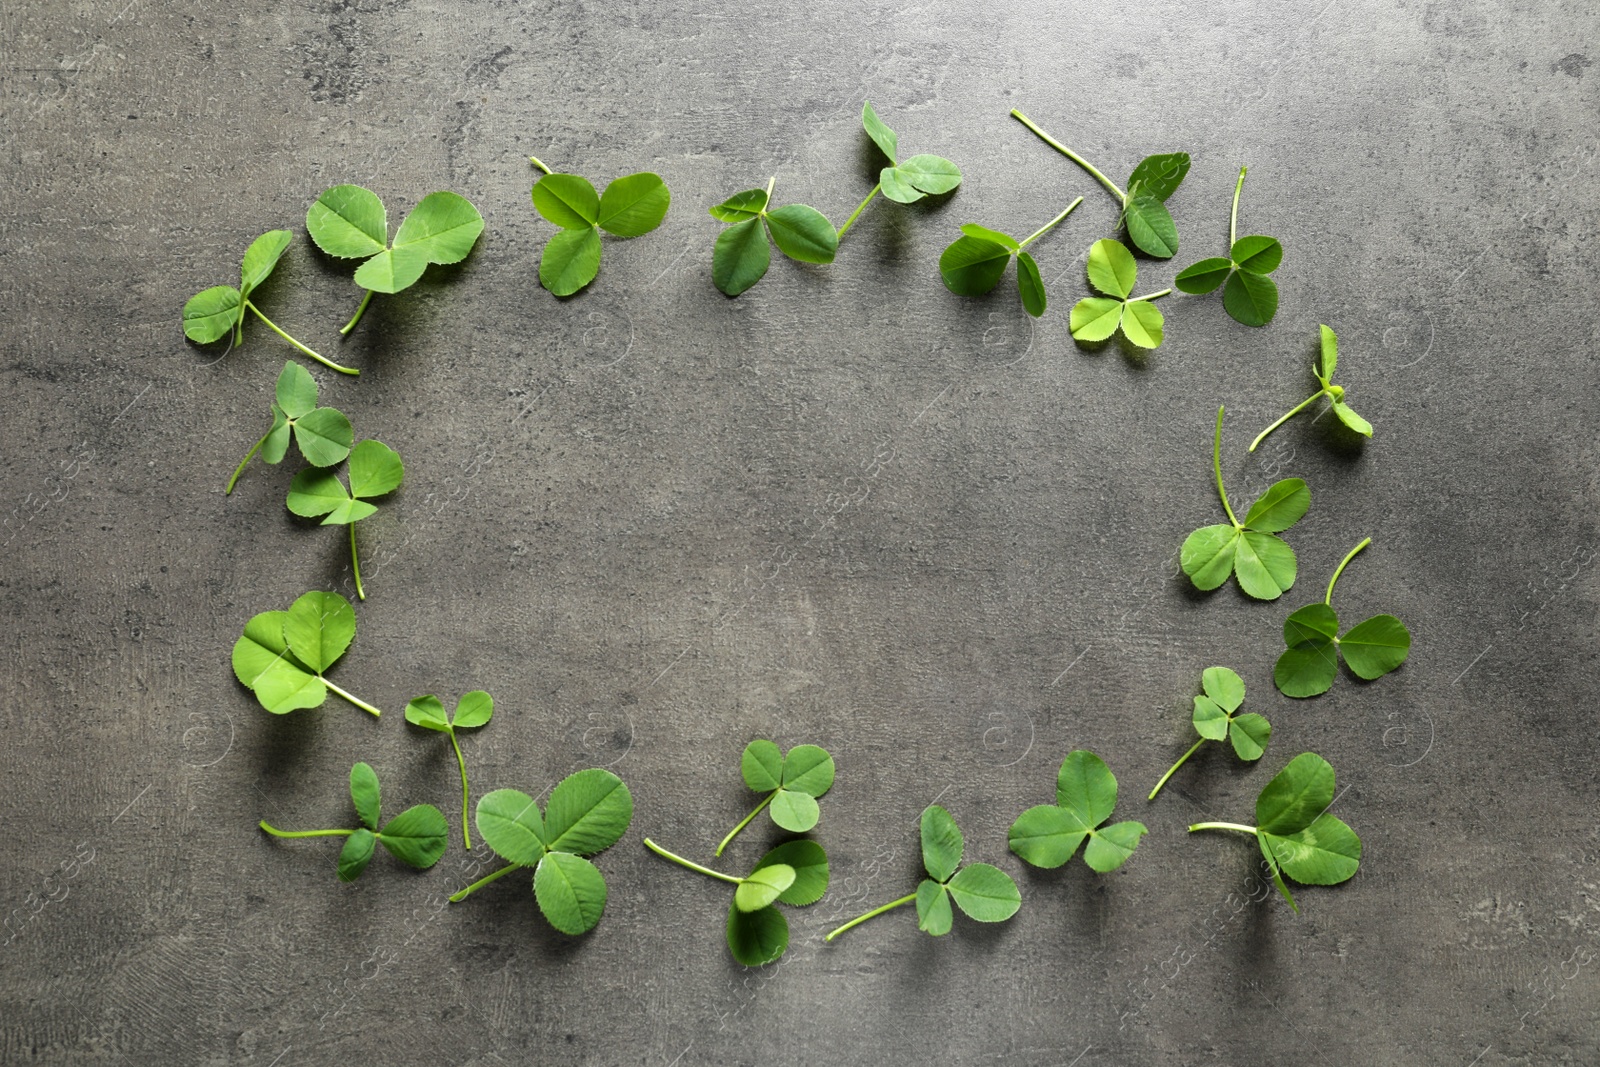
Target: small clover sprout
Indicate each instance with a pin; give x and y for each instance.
(1335, 394)
(350, 222)
(983, 892)
(1215, 719)
(588, 811)
(375, 470)
(1264, 563)
(1248, 295)
(1296, 834)
(282, 655)
(415, 837)
(742, 254)
(218, 312)
(322, 434)
(631, 206)
(793, 873)
(473, 710)
(1112, 270)
(792, 783)
(1144, 209)
(904, 182)
(1372, 648)
(1086, 793)
(973, 264)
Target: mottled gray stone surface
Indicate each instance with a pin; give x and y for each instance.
(847, 508)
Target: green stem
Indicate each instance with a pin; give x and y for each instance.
(243, 462)
(460, 895)
(849, 222)
(732, 833)
(857, 921)
(675, 858)
(462, 763)
(1291, 413)
(1328, 600)
(320, 359)
(1152, 296)
(1233, 221)
(362, 704)
(1175, 766)
(347, 327)
(355, 561)
(1047, 227)
(535, 161)
(275, 832)
(1239, 826)
(1216, 465)
(1121, 196)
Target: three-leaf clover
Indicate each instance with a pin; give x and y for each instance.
(984, 892)
(974, 262)
(350, 222)
(282, 655)
(792, 783)
(473, 710)
(323, 434)
(1086, 793)
(374, 469)
(1144, 209)
(907, 181)
(588, 811)
(1296, 834)
(1248, 295)
(415, 837)
(1264, 562)
(218, 312)
(631, 206)
(742, 254)
(793, 873)
(1372, 648)
(1324, 369)
(1216, 718)
(1112, 270)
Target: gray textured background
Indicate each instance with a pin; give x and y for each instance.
(847, 508)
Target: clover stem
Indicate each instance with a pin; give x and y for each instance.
(1328, 600)
(1070, 154)
(347, 327)
(746, 822)
(858, 920)
(1239, 826)
(243, 462)
(1047, 227)
(772, 181)
(1175, 766)
(1233, 220)
(362, 704)
(535, 161)
(675, 858)
(1152, 296)
(355, 561)
(1216, 465)
(462, 894)
(275, 832)
(320, 359)
(1291, 413)
(462, 763)
(857, 212)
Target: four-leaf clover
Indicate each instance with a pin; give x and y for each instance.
(1086, 794)
(1265, 563)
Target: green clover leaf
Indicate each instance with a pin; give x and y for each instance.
(473, 710)
(415, 837)
(1310, 660)
(323, 435)
(282, 655)
(631, 206)
(1086, 793)
(1248, 294)
(1216, 718)
(1112, 270)
(1323, 370)
(792, 783)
